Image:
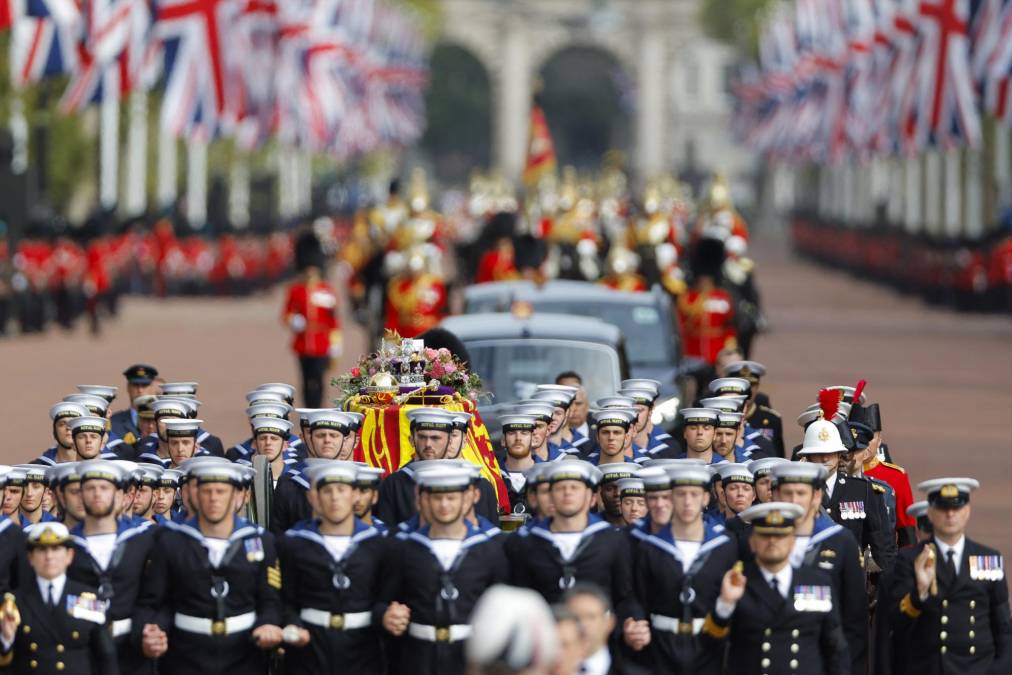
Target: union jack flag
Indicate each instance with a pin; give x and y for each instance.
(44, 40)
(992, 56)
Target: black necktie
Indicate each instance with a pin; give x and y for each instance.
(52, 595)
(774, 585)
(950, 563)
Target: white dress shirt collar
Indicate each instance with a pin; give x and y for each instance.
(58, 584)
(599, 663)
(957, 548)
(783, 578)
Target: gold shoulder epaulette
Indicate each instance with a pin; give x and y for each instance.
(895, 466)
(877, 488)
(769, 410)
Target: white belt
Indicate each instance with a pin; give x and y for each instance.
(228, 626)
(672, 625)
(318, 617)
(121, 627)
(455, 633)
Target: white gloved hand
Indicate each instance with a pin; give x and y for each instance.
(297, 323)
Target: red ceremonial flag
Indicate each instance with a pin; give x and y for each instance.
(540, 149)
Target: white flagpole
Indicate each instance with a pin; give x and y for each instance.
(196, 183)
(135, 197)
(239, 191)
(168, 151)
(109, 139)
(19, 135)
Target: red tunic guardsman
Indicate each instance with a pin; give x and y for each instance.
(706, 311)
(416, 298)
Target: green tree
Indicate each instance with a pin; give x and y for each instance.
(736, 22)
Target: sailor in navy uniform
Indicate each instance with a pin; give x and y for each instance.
(99, 407)
(613, 435)
(336, 582)
(771, 617)
(821, 543)
(735, 490)
(726, 439)
(110, 555)
(211, 600)
(12, 546)
(90, 435)
(26, 486)
(328, 430)
(65, 483)
(542, 413)
(649, 441)
(632, 501)
(430, 439)
(54, 624)
(949, 596)
(538, 492)
(438, 573)
(141, 381)
(154, 448)
(762, 418)
(517, 433)
(698, 427)
(461, 423)
(182, 441)
(850, 501)
(609, 500)
(560, 436)
(147, 479)
(573, 544)
(677, 570)
(187, 392)
(165, 496)
(762, 471)
(63, 451)
(731, 394)
(367, 482)
(243, 452)
(286, 391)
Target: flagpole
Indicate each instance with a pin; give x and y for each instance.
(933, 192)
(168, 151)
(135, 197)
(19, 135)
(912, 217)
(305, 176)
(239, 191)
(974, 195)
(109, 139)
(953, 193)
(196, 182)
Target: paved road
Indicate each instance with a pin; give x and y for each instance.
(944, 380)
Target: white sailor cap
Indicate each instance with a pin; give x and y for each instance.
(617, 471)
(188, 465)
(271, 425)
(264, 396)
(170, 478)
(435, 419)
(170, 407)
(330, 418)
(33, 473)
(85, 423)
(445, 477)
(821, 438)
(918, 509)
(806, 473)
(565, 389)
(67, 409)
(630, 487)
(639, 395)
(105, 391)
(149, 474)
(63, 473)
(699, 416)
(641, 383)
(613, 417)
(847, 394)
(539, 410)
(249, 474)
(355, 418)
(537, 474)
(175, 388)
(217, 472)
(48, 533)
(688, 475)
(669, 461)
(655, 478)
(461, 420)
(574, 469)
(11, 475)
(558, 399)
(96, 405)
(181, 428)
(332, 471)
(517, 423)
(142, 404)
(129, 468)
(368, 476)
(948, 492)
(192, 405)
(615, 402)
(303, 413)
(814, 412)
(750, 370)
(772, 517)
(723, 403)
(279, 410)
(286, 390)
(729, 420)
(732, 472)
(730, 385)
(761, 468)
(103, 469)
(468, 466)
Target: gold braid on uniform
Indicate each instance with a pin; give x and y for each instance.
(711, 628)
(907, 607)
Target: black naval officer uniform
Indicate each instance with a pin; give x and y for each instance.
(964, 629)
(676, 598)
(396, 502)
(833, 549)
(441, 599)
(210, 612)
(118, 584)
(70, 638)
(339, 601)
(766, 423)
(858, 507)
(768, 633)
(13, 565)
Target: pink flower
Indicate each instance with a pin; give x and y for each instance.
(430, 354)
(444, 354)
(450, 367)
(437, 370)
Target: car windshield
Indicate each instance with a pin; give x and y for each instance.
(512, 369)
(647, 339)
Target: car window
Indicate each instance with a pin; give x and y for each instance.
(647, 338)
(511, 369)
